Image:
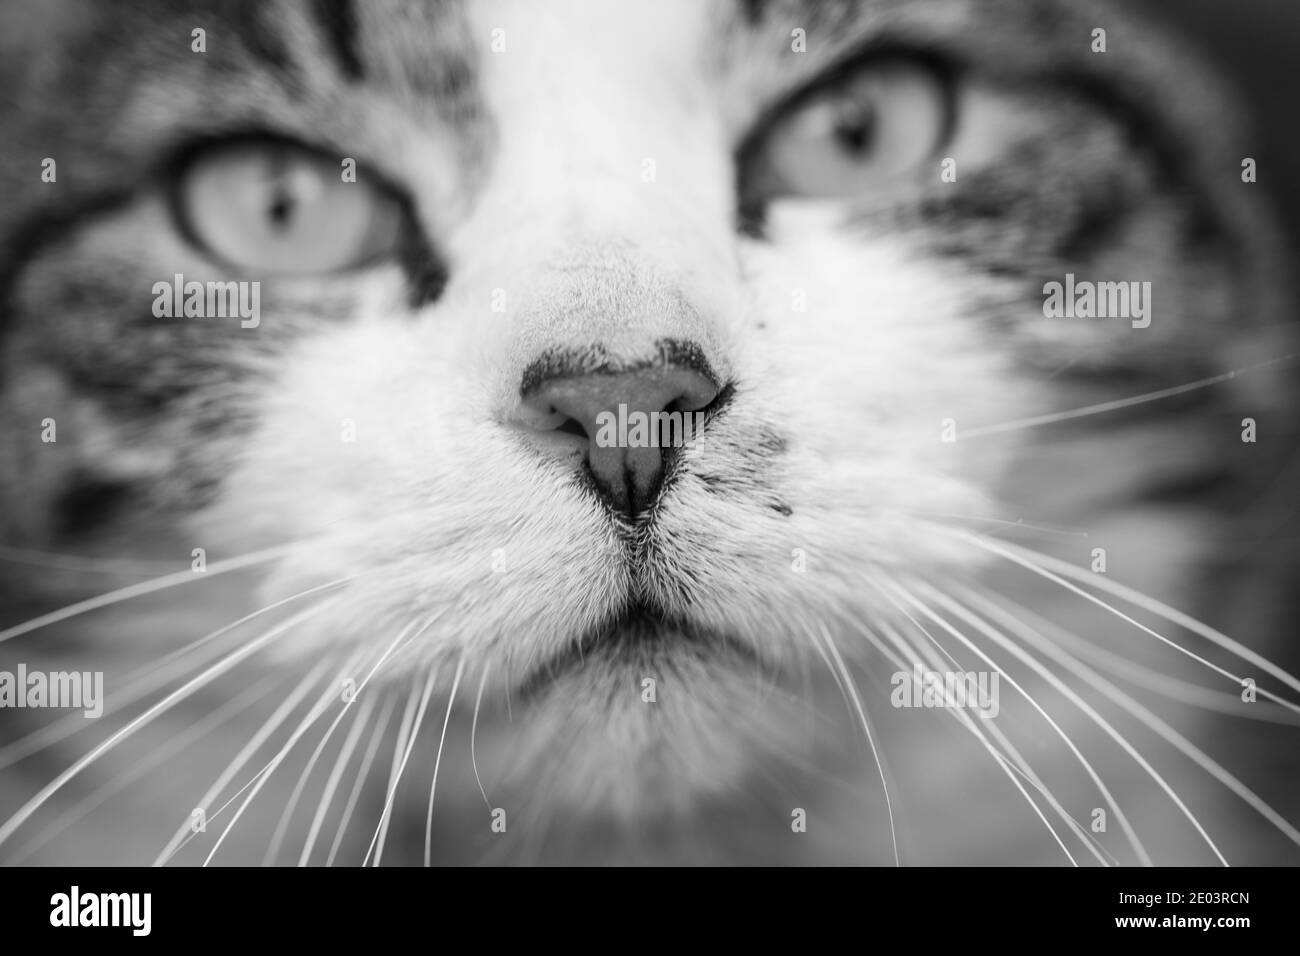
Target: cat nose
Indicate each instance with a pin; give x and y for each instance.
(618, 406)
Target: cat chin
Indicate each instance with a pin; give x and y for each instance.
(647, 727)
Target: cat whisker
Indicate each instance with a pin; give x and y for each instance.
(143, 681)
(911, 653)
(363, 774)
(850, 685)
(933, 594)
(392, 650)
(1033, 637)
(937, 650)
(282, 825)
(399, 746)
(433, 788)
(473, 728)
(932, 657)
(1099, 852)
(1041, 563)
(1011, 772)
(175, 579)
(406, 736)
(36, 802)
(1103, 407)
(184, 833)
(176, 745)
(262, 776)
(335, 776)
(84, 563)
(835, 674)
(1018, 523)
(992, 730)
(1171, 688)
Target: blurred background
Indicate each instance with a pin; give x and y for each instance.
(1257, 44)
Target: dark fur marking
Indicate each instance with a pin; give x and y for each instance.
(338, 23)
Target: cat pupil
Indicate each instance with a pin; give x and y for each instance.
(855, 127)
(285, 190)
(281, 207)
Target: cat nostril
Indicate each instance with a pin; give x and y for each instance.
(572, 426)
(630, 413)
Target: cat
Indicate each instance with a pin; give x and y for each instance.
(311, 311)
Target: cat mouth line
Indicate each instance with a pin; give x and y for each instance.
(642, 635)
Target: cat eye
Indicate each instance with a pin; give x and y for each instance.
(869, 126)
(281, 208)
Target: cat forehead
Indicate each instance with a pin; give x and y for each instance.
(439, 46)
(438, 51)
(125, 85)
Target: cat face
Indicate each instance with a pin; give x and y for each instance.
(464, 233)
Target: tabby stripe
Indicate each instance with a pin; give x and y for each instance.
(337, 20)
